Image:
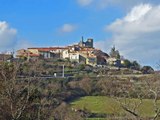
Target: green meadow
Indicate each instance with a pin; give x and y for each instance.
(102, 104)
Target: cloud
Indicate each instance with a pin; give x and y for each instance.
(120, 3)
(137, 34)
(67, 28)
(104, 45)
(23, 44)
(85, 2)
(8, 36)
(9, 39)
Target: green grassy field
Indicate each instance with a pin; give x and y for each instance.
(96, 119)
(101, 104)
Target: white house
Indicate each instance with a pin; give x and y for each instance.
(73, 56)
(65, 54)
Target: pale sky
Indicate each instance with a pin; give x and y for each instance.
(133, 26)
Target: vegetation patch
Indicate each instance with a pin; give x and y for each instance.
(102, 104)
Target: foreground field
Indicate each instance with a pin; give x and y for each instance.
(101, 104)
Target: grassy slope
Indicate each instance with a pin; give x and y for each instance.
(101, 104)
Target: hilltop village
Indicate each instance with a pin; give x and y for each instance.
(83, 52)
(50, 83)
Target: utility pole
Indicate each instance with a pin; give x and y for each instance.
(13, 54)
(28, 57)
(63, 72)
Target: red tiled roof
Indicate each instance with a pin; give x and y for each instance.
(44, 50)
(49, 48)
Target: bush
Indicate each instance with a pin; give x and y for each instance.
(147, 70)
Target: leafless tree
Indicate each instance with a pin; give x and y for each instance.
(14, 95)
(131, 98)
(86, 85)
(128, 103)
(64, 112)
(153, 86)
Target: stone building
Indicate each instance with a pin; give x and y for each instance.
(88, 43)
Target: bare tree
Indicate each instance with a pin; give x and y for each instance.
(128, 103)
(86, 84)
(153, 86)
(63, 112)
(131, 96)
(14, 96)
(130, 106)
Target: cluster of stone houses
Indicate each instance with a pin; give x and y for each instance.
(83, 52)
(36, 53)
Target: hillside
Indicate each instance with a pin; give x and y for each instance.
(45, 87)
